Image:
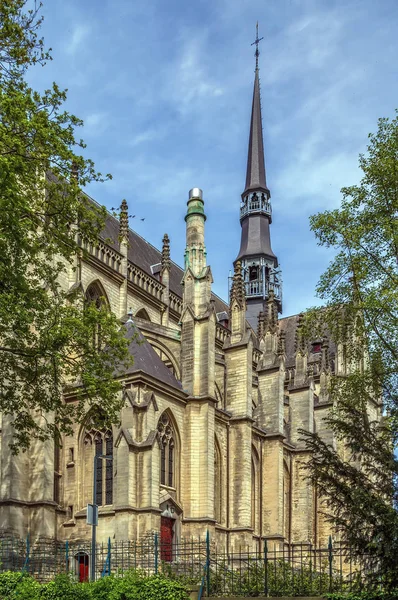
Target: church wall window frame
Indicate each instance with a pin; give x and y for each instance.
(96, 440)
(169, 451)
(95, 294)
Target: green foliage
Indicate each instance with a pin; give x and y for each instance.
(66, 588)
(281, 579)
(357, 479)
(133, 585)
(47, 336)
(365, 595)
(9, 581)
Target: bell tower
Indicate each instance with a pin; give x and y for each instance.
(260, 270)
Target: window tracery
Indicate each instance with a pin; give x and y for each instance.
(99, 442)
(167, 451)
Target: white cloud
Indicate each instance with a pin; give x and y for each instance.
(95, 123)
(145, 136)
(188, 82)
(79, 34)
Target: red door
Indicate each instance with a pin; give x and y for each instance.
(83, 567)
(166, 538)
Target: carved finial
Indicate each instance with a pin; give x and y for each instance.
(325, 362)
(282, 343)
(271, 324)
(124, 219)
(299, 342)
(238, 286)
(261, 325)
(166, 252)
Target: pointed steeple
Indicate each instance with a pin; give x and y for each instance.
(255, 172)
(260, 269)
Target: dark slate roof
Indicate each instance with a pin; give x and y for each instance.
(256, 238)
(144, 255)
(255, 173)
(146, 359)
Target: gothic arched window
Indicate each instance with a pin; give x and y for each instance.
(167, 451)
(98, 442)
(253, 273)
(143, 314)
(95, 295)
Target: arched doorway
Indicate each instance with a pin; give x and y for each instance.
(170, 525)
(82, 564)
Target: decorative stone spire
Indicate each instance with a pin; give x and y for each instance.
(299, 341)
(165, 252)
(237, 305)
(123, 249)
(282, 344)
(238, 287)
(165, 277)
(195, 251)
(271, 321)
(124, 220)
(301, 371)
(325, 359)
(261, 325)
(324, 378)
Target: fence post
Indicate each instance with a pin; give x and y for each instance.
(208, 563)
(330, 557)
(27, 557)
(156, 553)
(109, 554)
(265, 568)
(67, 556)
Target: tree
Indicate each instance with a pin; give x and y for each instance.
(47, 336)
(357, 479)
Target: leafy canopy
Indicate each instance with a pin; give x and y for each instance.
(47, 337)
(358, 478)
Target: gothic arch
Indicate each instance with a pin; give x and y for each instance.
(95, 292)
(218, 495)
(143, 314)
(170, 451)
(166, 356)
(95, 438)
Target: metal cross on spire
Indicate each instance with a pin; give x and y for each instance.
(256, 42)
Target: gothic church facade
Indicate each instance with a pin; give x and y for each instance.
(209, 433)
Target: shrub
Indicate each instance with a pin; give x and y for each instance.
(366, 595)
(65, 588)
(9, 581)
(159, 587)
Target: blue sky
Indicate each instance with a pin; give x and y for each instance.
(164, 88)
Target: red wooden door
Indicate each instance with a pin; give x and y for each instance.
(166, 538)
(83, 568)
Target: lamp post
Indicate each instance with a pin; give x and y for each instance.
(94, 523)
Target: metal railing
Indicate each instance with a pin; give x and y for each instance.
(274, 570)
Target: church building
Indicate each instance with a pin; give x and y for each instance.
(208, 438)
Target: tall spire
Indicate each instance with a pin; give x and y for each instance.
(260, 271)
(255, 173)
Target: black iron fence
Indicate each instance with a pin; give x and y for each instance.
(290, 570)
(273, 570)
